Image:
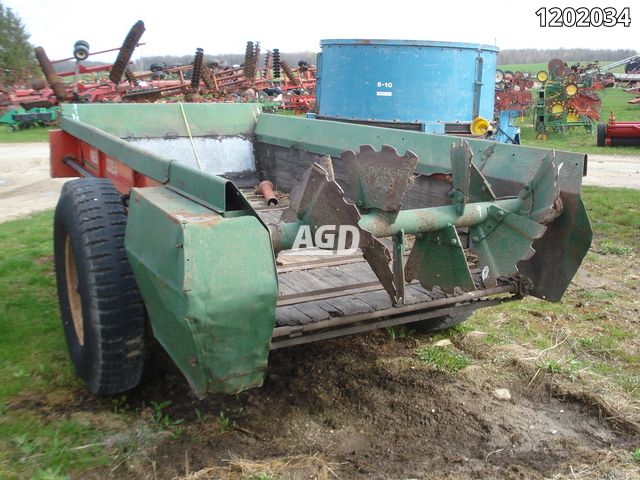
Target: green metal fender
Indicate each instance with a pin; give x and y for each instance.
(209, 283)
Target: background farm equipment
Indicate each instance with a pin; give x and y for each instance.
(83, 92)
(616, 134)
(634, 91)
(299, 103)
(196, 82)
(195, 248)
(20, 118)
(45, 94)
(631, 75)
(564, 101)
(202, 82)
(513, 92)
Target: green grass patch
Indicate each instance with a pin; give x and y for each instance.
(443, 358)
(610, 248)
(577, 139)
(399, 332)
(589, 335)
(34, 361)
(615, 218)
(35, 134)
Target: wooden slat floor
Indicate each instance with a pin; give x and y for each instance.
(316, 287)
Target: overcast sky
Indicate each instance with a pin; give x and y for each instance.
(178, 27)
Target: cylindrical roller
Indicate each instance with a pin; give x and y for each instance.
(256, 54)
(286, 69)
(276, 63)
(207, 78)
(131, 78)
(126, 51)
(54, 80)
(249, 62)
(197, 68)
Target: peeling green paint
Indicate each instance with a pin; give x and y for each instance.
(212, 307)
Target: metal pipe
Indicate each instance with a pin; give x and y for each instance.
(70, 162)
(94, 53)
(422, 220)
(265, 188)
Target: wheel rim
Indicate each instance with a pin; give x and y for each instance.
(571, 89)
(75, 303)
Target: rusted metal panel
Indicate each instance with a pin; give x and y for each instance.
(212, 307)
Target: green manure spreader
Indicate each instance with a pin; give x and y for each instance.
(370, 227)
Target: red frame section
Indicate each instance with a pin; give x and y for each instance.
(621, 131)
(65, 147)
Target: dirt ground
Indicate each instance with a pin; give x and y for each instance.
(365, 407)
(362, 407)
(25, 186)
(613, 171)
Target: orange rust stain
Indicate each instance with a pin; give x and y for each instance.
(442, 177)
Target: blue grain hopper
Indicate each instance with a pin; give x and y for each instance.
(434, 87)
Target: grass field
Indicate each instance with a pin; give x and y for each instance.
(50, 429)
(35, 134)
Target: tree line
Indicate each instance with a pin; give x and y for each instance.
(535, 55)
(17, 62)
(230, 59)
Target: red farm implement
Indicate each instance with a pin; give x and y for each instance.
(615, 134)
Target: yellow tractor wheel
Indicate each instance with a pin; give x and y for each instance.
(557, 109)
(544, 136)
(570, 89)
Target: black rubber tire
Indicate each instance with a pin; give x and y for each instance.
(90, 222)
(441, 323)
(632, 66)
(157, 67)
(126, 52)
(601, 134)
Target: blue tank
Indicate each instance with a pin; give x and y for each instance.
(436, 87)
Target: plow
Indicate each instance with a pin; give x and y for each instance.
(368, 227)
